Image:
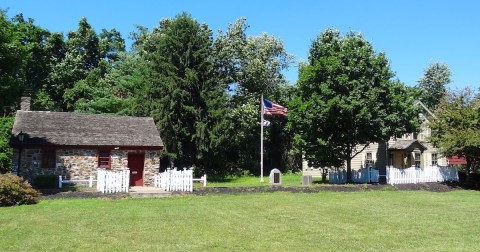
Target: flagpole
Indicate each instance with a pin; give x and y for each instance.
(261, 139)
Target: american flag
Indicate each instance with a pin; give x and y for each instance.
(270, 108)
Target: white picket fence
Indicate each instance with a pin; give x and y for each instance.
(415, 175)
(113, 181)
(177, 180)
(366, 175)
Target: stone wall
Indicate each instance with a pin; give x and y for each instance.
(80, 164)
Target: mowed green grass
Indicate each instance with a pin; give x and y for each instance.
(332, 221)
(288, 179)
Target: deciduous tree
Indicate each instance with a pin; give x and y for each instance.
(347, 100)
(456, 128)
(432, 84)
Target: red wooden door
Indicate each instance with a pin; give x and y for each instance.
(135, 164)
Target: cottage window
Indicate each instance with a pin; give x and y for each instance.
(48, 158)
(104, 159)
(434, 159)
(417, 159)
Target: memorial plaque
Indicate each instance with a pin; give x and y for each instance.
(275, 177)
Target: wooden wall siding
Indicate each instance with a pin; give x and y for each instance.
(378, 151)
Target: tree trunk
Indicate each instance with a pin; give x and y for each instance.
(468, 169)
(349, 171)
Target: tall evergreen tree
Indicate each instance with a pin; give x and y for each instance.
(187, 104)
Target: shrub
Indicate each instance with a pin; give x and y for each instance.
(14, 191)
(46, 181)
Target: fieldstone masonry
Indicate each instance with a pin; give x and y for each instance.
(78, 164)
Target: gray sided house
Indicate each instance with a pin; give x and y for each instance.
(74, 145)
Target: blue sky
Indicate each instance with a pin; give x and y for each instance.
(413, 34)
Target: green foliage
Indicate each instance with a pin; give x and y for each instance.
(346, 100)
(456, 128)
(250, 66)
(253, 63)
(432, 84)
(6, 153)
(183, 96)
(46, 181)
(195, 87)
(78, 65)
(12, 53)
(14, 191)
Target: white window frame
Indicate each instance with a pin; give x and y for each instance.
(434, 159)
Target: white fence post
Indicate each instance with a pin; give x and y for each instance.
(60, 181)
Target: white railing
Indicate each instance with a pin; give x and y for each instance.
(415, 175)
(177, 180)
(366, 175)
(202, 179)
(113, 181)
(62, 181)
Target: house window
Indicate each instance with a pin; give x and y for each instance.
(48, 158)
(369, 160)
(417, 159)
(104, 159)
(434, 159)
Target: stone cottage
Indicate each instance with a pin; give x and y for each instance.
(74, 145)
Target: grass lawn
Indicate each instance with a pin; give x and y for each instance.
(371, 220)
(288, 179)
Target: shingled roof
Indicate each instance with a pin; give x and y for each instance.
(77, 129)
(407, 145)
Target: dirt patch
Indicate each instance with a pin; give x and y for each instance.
(432, 187)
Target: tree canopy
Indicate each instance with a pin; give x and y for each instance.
(347, 100)
(432, 84)
(456, 128)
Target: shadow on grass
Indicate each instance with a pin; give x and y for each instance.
(320, 182)
(471, 185)
(65, 188)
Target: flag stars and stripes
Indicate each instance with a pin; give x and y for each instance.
(270, 108)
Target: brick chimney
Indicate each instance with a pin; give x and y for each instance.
(25, 103)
